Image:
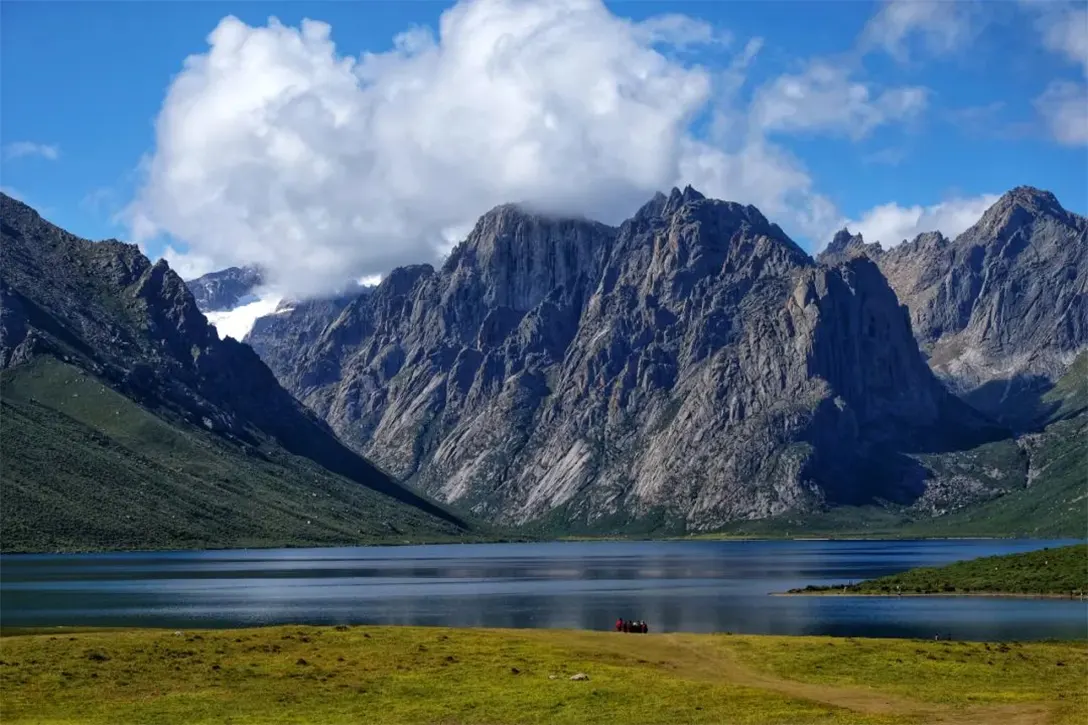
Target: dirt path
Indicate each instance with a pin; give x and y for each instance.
(698, 661)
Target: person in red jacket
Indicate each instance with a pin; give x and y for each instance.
(619, 624)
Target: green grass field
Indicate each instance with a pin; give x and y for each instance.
(1061, 571)
(328, 675)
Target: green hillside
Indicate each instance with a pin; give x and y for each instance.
(1054, 503)
(1052, 500)
(85, 468)
(1047, 571)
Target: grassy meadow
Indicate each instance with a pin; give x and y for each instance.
(332, 675)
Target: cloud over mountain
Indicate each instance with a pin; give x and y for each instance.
(891, 223)
(274, 149)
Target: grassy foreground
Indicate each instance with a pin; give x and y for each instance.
(1059, 572)
(391, 675)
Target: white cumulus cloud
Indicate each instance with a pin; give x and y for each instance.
(680, 31)
(938, 26)
(273, 149)
(825, 98)
(1064, 108)
(18, 149)
(891, 223)
(1063, 105)
(1064, 28)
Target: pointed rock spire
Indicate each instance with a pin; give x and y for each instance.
(844, 240)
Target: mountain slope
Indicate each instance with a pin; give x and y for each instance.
(1032, 485)
(122, 329)
(1045, 486)
(1001, 310)
(693, 366)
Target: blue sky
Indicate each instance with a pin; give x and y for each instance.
(981, 97)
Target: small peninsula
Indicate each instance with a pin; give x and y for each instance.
(1061, 572)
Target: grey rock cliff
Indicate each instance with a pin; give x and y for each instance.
(693, 365)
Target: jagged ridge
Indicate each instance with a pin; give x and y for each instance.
(1002, 309)
(692, 365)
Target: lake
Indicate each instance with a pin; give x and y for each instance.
(689, 586)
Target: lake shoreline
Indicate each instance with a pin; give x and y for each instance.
(894, 595)
(524, 539)
(1045, 573)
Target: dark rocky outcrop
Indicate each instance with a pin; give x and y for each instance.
(225, 289)
(693, 365)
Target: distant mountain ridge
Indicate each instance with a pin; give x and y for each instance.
(128, 333)
(1002, 309)
(689, 368)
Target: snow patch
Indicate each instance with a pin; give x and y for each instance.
(238, 322)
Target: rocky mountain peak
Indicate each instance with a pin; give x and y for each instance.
(226, 289)
(845, 246)
(662, 206)
(514, 258)
(1002, 309)
(501, 217)
(677, 199)
(689, 205)
(1016, 209)
(926, 241)
(844, 240)
(675, 245)
(1032, 199)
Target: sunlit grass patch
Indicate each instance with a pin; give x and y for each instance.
(468, 676)
(943, 672)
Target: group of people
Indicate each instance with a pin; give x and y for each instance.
(624, 625)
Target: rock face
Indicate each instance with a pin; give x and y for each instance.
(279, 339)
(106, 309)
(692, 366)
(225, 289)
(1002, 310)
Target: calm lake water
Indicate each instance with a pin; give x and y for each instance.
(675, 586)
